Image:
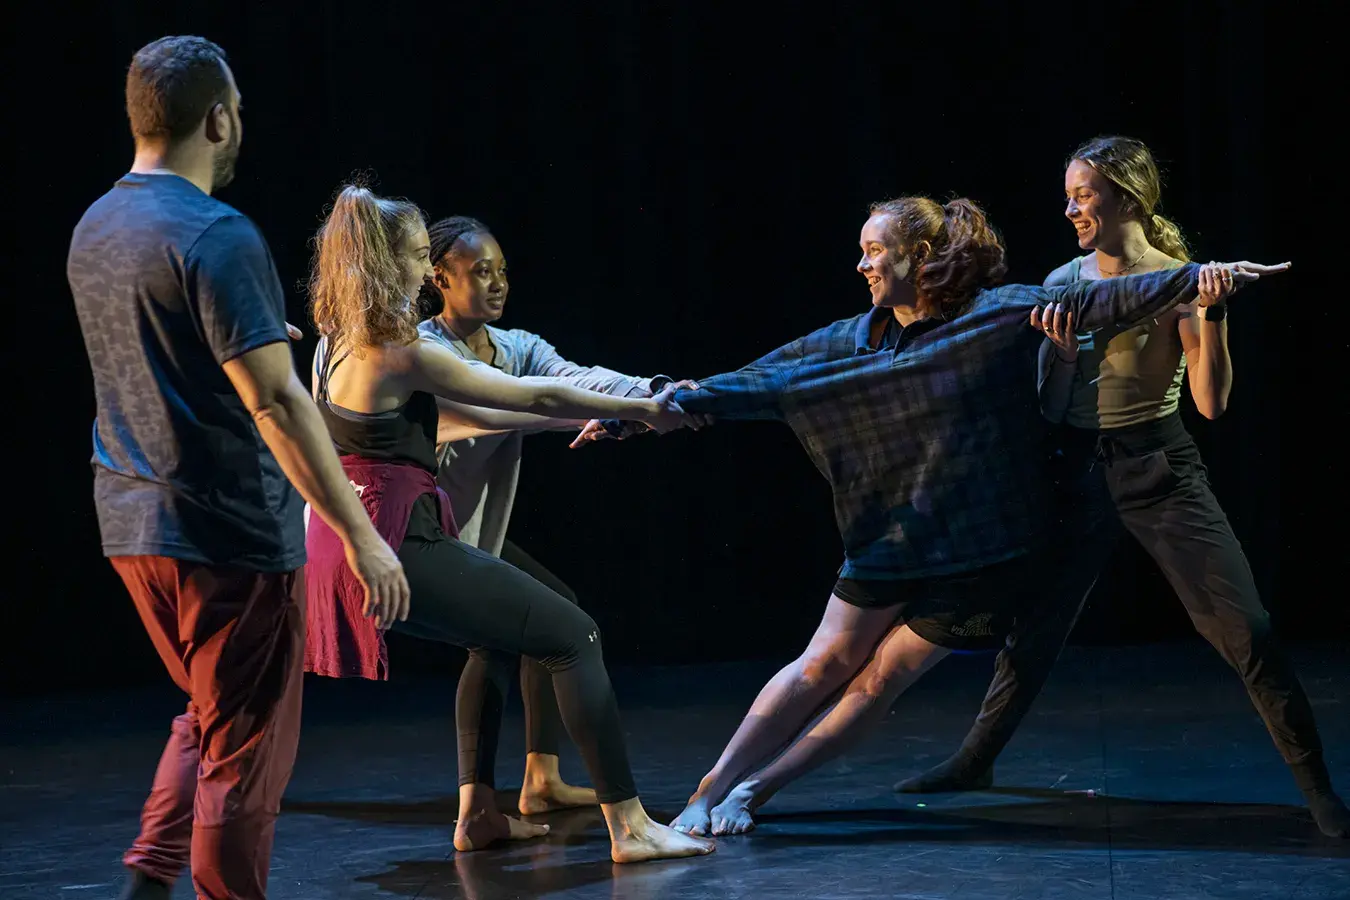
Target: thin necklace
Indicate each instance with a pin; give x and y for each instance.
(1127, 268)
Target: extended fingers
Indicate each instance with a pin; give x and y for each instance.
(1259, 269)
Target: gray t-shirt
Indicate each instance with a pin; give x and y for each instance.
(480, 474)
(170, 284)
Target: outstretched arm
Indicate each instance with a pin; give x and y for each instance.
(539, 358)
(1127, 300)
(1133, 298)
(460, 421)
(752, 392)
(439, 371)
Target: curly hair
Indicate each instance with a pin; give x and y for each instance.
(1129, 165)
(172, 84)
(966, 254)
(356, 292)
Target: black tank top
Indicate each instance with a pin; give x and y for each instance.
(405, 434)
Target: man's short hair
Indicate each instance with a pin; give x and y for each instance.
(172, 84)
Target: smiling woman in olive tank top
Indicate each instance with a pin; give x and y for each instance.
(1128, 460)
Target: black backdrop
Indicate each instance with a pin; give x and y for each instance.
(678, 188)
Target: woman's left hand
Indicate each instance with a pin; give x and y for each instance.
(1216, 284)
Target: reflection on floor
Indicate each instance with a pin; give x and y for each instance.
(1141, 773)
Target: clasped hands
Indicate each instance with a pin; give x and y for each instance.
(670, 418)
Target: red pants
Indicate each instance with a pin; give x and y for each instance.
(234, 640)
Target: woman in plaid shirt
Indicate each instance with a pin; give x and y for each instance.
(923, 415)
(1130, 462)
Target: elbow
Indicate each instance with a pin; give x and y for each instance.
(547, 400)
(1212, 400)
(269, 416)
(1213, 408)
(272, 407)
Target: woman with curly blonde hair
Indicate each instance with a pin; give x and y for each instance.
(384, 393)
(922, 413)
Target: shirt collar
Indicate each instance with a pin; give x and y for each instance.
(497, 345)
(862, 336)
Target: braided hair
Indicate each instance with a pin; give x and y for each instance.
(445, 232)
(443, 235)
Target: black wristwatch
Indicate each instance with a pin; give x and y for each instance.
(1216, 312)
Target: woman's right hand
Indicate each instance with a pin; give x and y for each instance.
(669, 415)
(378, 569)
(1219, 281)
(1058, 327)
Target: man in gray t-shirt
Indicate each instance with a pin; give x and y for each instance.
(204, 443)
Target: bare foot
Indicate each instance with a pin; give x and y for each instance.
(735, 815)
(485, 827)
(695, 818)
(551, 795)
(657, 842)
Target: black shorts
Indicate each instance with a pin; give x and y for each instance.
(964, 611)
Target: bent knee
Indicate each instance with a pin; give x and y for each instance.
(1247, 631)
(570, 642)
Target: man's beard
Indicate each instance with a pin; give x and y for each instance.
(222, 166)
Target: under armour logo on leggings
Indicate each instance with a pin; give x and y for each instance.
(592, 637)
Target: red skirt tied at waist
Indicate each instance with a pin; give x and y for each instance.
(341, 642)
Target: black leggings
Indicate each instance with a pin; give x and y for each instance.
(461, 595)
(543, 724)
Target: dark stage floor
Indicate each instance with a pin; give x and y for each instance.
(1191, 799)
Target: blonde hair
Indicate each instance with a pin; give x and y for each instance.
(967, 253)
(1129, 166)
(356, 292)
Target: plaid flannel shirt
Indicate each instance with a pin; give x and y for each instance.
(933, 448)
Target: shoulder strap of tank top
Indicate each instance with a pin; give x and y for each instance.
(326, 367)
(1076, 268)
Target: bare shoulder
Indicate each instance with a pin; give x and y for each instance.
(417, 352)
(398, 360)
(1165, 263)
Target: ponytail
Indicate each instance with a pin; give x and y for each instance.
(356, 281)
(1166, 235)
(967, 258)
(1130, 167)
(965, 252)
